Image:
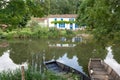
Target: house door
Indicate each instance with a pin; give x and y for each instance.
(71, 26)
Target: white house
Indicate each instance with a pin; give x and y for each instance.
(64, 21)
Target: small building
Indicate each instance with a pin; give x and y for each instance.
(39, 21)
(63, 21)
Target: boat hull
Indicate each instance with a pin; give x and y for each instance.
(60, 68)
(99, 70)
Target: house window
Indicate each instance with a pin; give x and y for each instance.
(55, 19)
(71, 26)
(76, 26)
(71, 19)
(62, 25)
(61, 19)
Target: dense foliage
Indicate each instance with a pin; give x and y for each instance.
(16, 13)
(102, 17)
(36, 32)
(13, 13)
(29, 75)
(64, 6)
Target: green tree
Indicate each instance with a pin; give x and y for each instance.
(38, 8)
(102, 17)
(64, 6)
(45, 4)
(14, 13)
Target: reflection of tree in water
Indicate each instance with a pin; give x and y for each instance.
(2, 50)
(116, 51)
(4, 46)
(19, 52)
(59, 52)
(90, 50)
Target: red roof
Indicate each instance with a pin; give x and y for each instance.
(39, 19)
(63, 16)
(56, 16)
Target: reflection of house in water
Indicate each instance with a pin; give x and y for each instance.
(68, 42)
(76, 39)
(63, 39)
(62, 45)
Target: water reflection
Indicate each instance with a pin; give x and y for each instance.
(7, 64)
(111, 61)
(77, 39)
(62, 45)
(74, 39)
(33, 50)
(71, 62)
(63, 39)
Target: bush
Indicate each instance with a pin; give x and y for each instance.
(53, 32)
(37, 32)
(25, 32)
(40, 32)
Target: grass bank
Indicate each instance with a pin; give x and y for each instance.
(36, 32)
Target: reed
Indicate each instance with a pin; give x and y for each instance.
(29, 75)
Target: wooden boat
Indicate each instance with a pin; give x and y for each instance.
(60, 68)
(99, 70)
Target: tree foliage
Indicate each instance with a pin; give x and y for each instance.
(102, 17)
(16, 13)
(64, 6)
(38, 8)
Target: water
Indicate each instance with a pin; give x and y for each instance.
(24, 52)
(73, 62)
(111, 61)
(6, 62)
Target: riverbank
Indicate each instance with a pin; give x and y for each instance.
(29, 75)
(36, 32)
(41, 32)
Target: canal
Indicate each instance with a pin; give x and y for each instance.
(75, 53)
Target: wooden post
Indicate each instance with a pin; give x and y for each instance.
(106, 77)
(22, 72)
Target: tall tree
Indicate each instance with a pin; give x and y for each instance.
(102, 17)
(14, 13)
(38, 8)
(45, 4)
(64, 6)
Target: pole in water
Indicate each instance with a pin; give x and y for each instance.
(22, 73)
